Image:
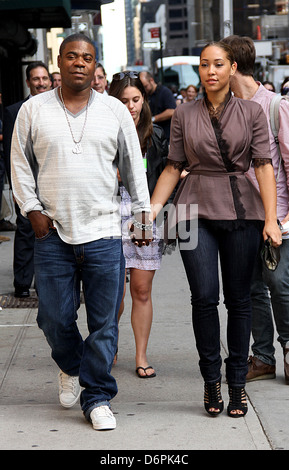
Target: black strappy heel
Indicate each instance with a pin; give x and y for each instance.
(213, 398)
(237, 407)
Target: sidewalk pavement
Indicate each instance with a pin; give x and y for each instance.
(164, 413)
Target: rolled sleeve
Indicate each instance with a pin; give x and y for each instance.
(284, 136)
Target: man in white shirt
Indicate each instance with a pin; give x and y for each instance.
(66, 147)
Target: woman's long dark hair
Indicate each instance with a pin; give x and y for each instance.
(144, 127)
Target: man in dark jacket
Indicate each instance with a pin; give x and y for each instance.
(5, 225)
(161, 101)
(38, 81)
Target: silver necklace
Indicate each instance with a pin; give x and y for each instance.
(77, 149)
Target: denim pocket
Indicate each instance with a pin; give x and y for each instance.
(50, 232)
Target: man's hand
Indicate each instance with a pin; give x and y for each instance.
(40, 223)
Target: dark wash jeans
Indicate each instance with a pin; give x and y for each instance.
(58, 270)
(237, 251)
(270, 303)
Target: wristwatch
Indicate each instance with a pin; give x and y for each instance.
(153, 119)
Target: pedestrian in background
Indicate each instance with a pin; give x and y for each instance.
(284, 89)
(99, 82)
(192, 93)
(161, 100)
(38, 81)
(56, 79)
(270, 289)
(141, 262)
(5, 225)
(268, 85)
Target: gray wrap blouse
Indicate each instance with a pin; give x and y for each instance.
(221, 191)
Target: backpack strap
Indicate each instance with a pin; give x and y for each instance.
(275, 124)
(274, 116)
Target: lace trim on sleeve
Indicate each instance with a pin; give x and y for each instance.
(257, 162)
(177, 165)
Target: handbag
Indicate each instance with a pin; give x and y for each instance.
(270, 255)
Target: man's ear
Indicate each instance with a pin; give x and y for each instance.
(233, 68)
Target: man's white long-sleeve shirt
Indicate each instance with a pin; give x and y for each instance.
(77, 191)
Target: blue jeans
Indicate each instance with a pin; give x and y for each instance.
(277, 283)
(237, 250)
(59, 267)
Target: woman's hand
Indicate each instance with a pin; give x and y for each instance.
(141, 229)
(271, 230)
(267, 185)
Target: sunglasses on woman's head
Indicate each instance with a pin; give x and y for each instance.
(121, 75)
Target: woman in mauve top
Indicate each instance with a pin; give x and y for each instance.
(217, 139)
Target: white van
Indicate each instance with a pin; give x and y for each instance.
(180, 71)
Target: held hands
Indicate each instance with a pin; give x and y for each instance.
(141, 229)
(40, 223)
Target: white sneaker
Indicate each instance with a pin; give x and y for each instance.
(102, 418)
(69, 389)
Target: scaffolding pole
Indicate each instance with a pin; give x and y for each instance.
(226, 18)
